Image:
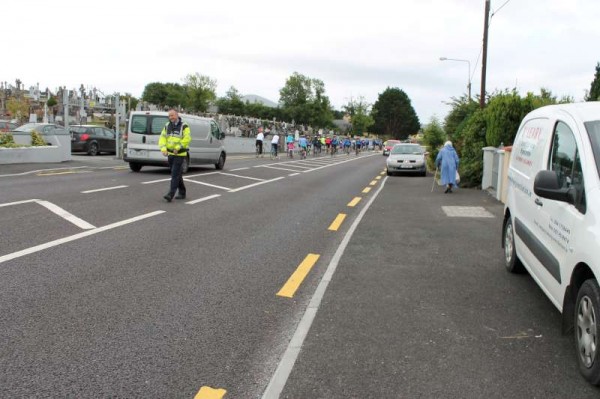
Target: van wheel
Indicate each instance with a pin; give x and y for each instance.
(511, 261)
(587, 330)
(219, 165)
(185, 166)
(136, 167)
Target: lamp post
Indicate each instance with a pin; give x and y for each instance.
(468, 62)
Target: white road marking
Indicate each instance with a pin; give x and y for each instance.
(293, 174)
(155, 181)
(235, 170)
(31, 172)
(203, 199)
(338, 163)
(256, 184)
(282, 373)
(57, 210)
(41, 247)
(208, 184)
(242, 177)
(103, 189)
(66, 215)
(277, 168)
(184, 176)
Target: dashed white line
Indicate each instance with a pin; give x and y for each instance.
(208, 184)
(235, 170)
(203, 199)
(241, 177)
(277, 168)
(66, 215)
(293, 174)
(103, 189)
(41, 247)
(256, 184)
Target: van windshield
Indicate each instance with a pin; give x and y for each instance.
(148, 124)
(593, 130)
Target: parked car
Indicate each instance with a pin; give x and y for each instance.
(92, 139)
(551, 218)
(387, 146)
(45, 129)
(6, 126)
(406, 157)
(144, 131)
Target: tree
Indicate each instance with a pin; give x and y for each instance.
(433, 137)
(462, 108)
(51, 102)
(232, 103)
(176, 96)
(303, 100)
(18, 108)
(130, 100)
(360, 115)
(200, 91)
(394, 115)
(155, 93)
(594, 93)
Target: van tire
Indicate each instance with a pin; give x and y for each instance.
(511, 261)
(586, 318)
(135, 167)
(219, 165)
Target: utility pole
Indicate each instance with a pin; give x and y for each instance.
(117, 95)
(486, 25)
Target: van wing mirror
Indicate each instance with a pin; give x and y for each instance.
(546, 186)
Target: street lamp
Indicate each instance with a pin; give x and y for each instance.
(468, 62)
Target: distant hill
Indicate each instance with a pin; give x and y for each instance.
(253, 98)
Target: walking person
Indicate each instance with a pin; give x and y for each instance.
(174, 141)
(447, 162)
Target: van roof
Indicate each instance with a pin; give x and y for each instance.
(163, 113)
(584, 111)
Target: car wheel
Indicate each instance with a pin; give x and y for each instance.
(587, 329)
(136, 167)
(511, 261)
(388, 172)
(185, 166)
(93, 150)
(424, 173)
(219, 165)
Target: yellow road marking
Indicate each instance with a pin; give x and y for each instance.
(210, 393)
(335, 225)
(57, 173)
(366, 190)
(289, 288)
(355, 201)
(382, 173)
(374, 182)
(378, 178)
(121, 167)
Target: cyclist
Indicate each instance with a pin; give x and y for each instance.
(303, 143)
(358, 145)
(316, 145)
(328, 144)
(259, 142)
(289, 140)
(347, 144)
(274, 145)
(334, 145)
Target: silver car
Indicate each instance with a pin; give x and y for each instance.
(406, 157)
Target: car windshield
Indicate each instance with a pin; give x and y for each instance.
(28, 127)
(407, 149)
(593, 130)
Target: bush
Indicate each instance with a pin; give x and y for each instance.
(37, 140)
(433, 137)
(6, 139)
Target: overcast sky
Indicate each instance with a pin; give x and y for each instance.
(357, 48)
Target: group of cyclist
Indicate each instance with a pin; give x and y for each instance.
(331, 144)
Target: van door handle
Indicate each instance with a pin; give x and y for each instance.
(211, 139)
(538, 202)
(144, 139)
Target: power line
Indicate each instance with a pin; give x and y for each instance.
(502, 6)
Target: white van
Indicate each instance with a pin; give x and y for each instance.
(143, 132)
(552, 217)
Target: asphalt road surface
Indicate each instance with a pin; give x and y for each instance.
(321, 278)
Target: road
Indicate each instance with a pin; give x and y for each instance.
(106, 290)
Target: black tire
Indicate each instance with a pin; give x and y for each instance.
(135, 167)
(511, 261)
(587, 339)
(219, 165)
(424, 174)
(185, 166)
(93, 149)
(388, 172)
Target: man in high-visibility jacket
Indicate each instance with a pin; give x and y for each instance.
(174, 141)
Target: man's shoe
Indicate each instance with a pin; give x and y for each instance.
(168, 197)
(179, 196)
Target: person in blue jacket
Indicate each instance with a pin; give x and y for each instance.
(447, 162)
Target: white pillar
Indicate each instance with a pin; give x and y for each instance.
(488, 167)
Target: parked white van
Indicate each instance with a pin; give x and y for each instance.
(552, 217)
(143, 132)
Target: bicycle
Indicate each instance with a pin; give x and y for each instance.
(303, 153)
(290, 151)
(258, 150)
(274, 154)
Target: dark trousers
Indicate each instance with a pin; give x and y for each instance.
(176, 165)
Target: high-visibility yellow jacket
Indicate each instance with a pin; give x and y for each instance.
(175, 137)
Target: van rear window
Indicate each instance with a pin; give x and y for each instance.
(593, 129)
(148, 124)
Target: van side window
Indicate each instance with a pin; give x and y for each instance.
(139, 124)
(158, 124)
(565, 161)
(214, 129)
